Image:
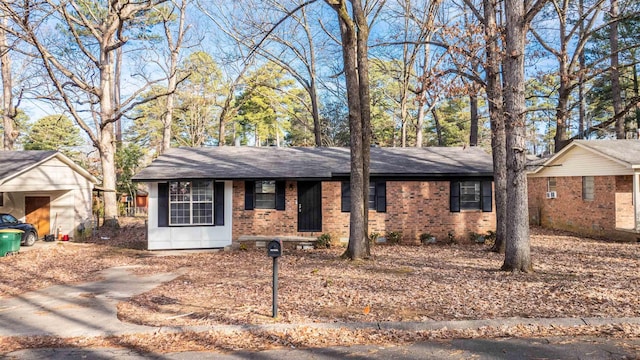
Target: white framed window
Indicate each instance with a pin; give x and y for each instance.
(191, 202)
(588, 188)
(470, 195)
(265, 194)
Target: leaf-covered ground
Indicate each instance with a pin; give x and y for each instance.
(574, 277)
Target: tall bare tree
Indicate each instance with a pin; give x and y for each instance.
(493, 32)
(425, 104)
(174, 44)
(354, 33)
(84, 79)
(240, 62)
(303, 49)
(517, 20)
(616, 91)
(573, 35)
(8, 107)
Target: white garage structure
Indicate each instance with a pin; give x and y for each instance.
(47, 189)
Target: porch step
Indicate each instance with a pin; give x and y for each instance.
(300, 242)
(310, 239)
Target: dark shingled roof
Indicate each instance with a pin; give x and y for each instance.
(13, 162)
(312, 163)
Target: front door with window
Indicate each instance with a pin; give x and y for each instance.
(309, 206)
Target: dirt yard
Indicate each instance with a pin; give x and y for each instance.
(574, 277)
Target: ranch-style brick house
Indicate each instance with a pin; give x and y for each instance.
(590, 187)
(220, 196)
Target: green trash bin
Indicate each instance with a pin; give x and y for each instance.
(10, 241)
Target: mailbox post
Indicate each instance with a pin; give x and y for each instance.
(274, 250)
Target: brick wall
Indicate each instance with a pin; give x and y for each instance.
(597, 217)
(413, 207)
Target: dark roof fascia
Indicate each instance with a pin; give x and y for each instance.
(342, 177)
(422, 176)
(232, 179)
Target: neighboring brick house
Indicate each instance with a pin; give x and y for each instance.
(590, 187)
(213, 197)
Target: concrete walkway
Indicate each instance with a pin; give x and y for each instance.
(87, 309)
(90, 310)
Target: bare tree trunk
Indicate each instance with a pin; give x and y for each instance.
(561, 138)
(436, 120)
(582, 102)
(517, 252)
(106, 147)
(313, 86)
(362, 51)
(117, 74)
(354, 35)
(473, 107)
(419, 126)
(403, 130)
(636, 93)
(496, 115)
(8, 109)
(174, 49)
(421, 95)
(315, 112)
(616, 95)
(564, 92)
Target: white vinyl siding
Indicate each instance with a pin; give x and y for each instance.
(582, 162)
(189, 237)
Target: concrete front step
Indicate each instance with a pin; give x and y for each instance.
(291, 242)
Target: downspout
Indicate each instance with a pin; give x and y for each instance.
(636, 197)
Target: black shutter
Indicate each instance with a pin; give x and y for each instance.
(486, 196)
(163, 204)
(345, 197)
(381, 196)
(280, 197)
(454, 197)
(218, 200)
(249, 189)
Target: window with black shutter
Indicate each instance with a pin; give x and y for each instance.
(471, 195)
(163, 205)
(345, 198)
(218, 210)
(377, 196)
(264, 194)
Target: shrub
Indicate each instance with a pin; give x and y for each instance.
(323, 241)
(490, 237)
(451, 237)
(394, 237)
(373, 237)
(477, 238)
(426, 238)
